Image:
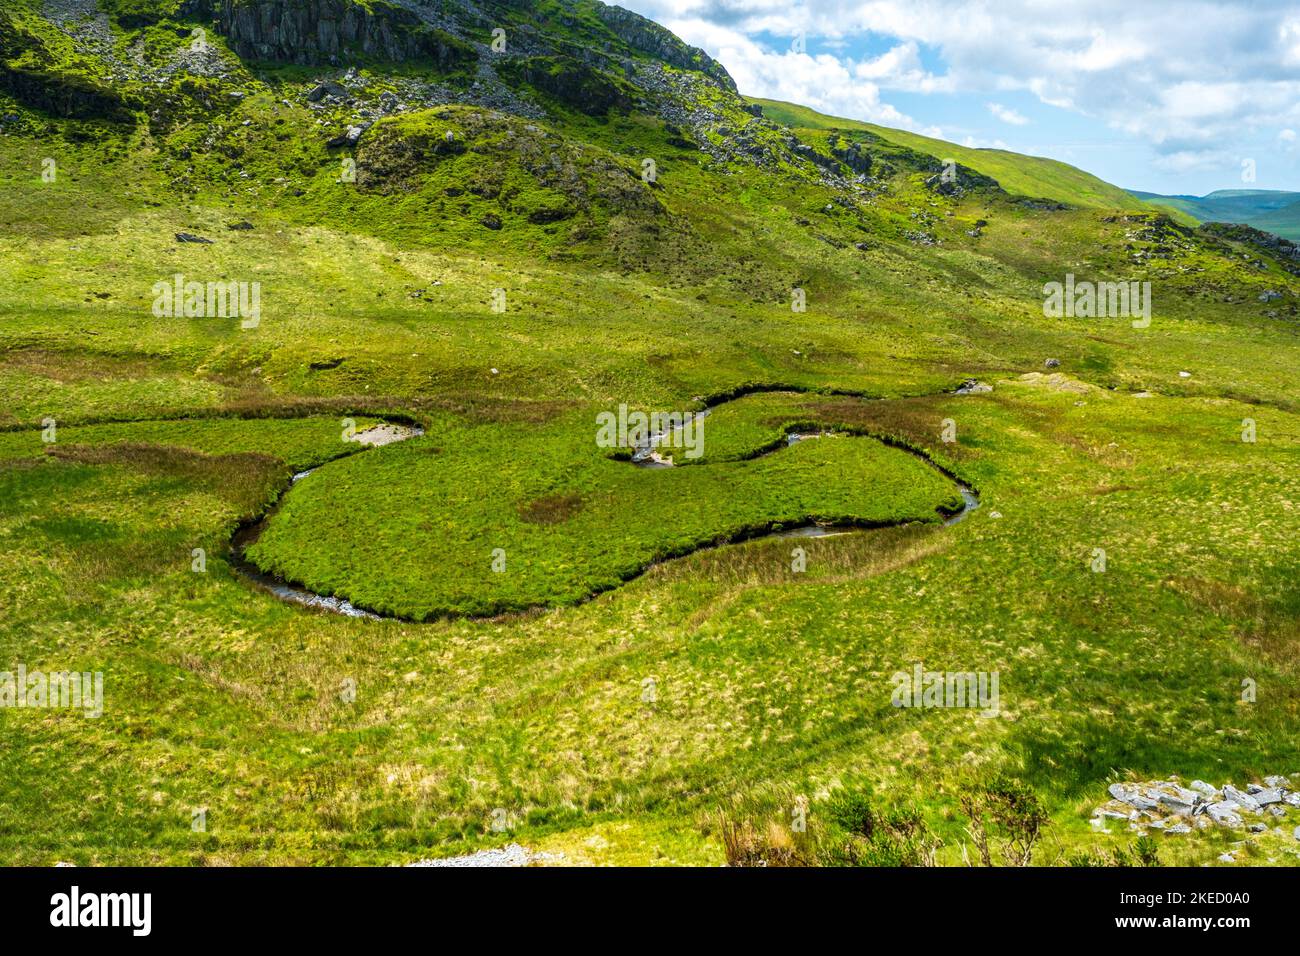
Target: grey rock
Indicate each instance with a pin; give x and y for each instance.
(1178, 805)
(1052, 363)
(1232, 795)
(1258, 827)
(1227, 858)
(1127, 793)
(1202, 787)
(348, 138)
(510, 855)
(318, 31)
(328, 88)
(190, 237)
(1179, 828)
(1296, 833)
(1265, 797)
(1225, 813)
(1110, 814)
(1275, 781)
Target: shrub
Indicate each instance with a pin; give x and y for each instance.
(1009, 812)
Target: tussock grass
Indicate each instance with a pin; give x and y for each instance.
(765, 680)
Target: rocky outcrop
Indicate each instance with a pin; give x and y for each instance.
(1285, 251)
(573, 83)
(63, 94)
(331, 31)
(649, 37)
(28, 73)
(1169, 806)
(854, 157)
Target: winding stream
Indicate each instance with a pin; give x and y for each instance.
(375, 437)
(644, 455)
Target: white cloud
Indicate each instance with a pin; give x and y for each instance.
(973, 143)
(825, 82)
(1183, 75)
(1007, 114)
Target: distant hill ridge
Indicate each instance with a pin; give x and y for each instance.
(1270, 210)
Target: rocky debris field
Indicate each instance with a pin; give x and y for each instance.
(510, 855)
(1171, 807)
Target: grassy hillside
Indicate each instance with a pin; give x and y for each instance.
(1030, 176)
(626, 681)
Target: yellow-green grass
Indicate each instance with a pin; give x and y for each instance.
(1032, 176)
(220, 697)
(504, 518)
(768, 681)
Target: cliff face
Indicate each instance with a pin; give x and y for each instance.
(649, 37)
(326, 31)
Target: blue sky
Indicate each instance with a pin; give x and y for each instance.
(1170, 97)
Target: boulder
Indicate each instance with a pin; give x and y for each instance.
(1178, 799)
(1225, 813)
(349, 137)
(328, 88)
(1232, 795)
(1127, 793)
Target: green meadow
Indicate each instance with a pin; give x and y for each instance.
(614, 664)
